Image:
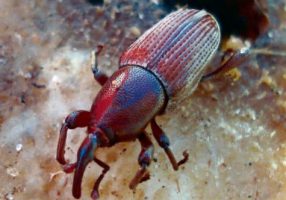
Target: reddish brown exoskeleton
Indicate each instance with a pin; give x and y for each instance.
(159, 70)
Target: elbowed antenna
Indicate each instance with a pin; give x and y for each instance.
(84, 156)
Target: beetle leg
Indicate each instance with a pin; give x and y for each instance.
(99, 76)
(235, 59)
(94, 193)
(69, 167)
(144, 160)
(74, 120)
(164, 142)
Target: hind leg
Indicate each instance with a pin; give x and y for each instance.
(230, 60)
(74, 120)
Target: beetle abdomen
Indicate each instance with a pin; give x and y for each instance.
(177, 50)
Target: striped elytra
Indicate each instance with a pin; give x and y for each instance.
(177, 50)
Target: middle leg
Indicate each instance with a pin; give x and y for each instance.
(164, 142)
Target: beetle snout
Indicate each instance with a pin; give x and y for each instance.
(85, 155)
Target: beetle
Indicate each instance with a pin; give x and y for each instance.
(158, 71)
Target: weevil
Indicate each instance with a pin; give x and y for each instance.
(160, 69)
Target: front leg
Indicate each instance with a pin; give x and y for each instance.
(99, 76)
(69, 168)
(144, 160)
(164, 142)
(94, 193)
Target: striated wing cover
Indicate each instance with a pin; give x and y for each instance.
(176, 49)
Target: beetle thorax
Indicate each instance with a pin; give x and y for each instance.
(127, 102)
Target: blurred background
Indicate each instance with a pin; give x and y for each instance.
(233, 126)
